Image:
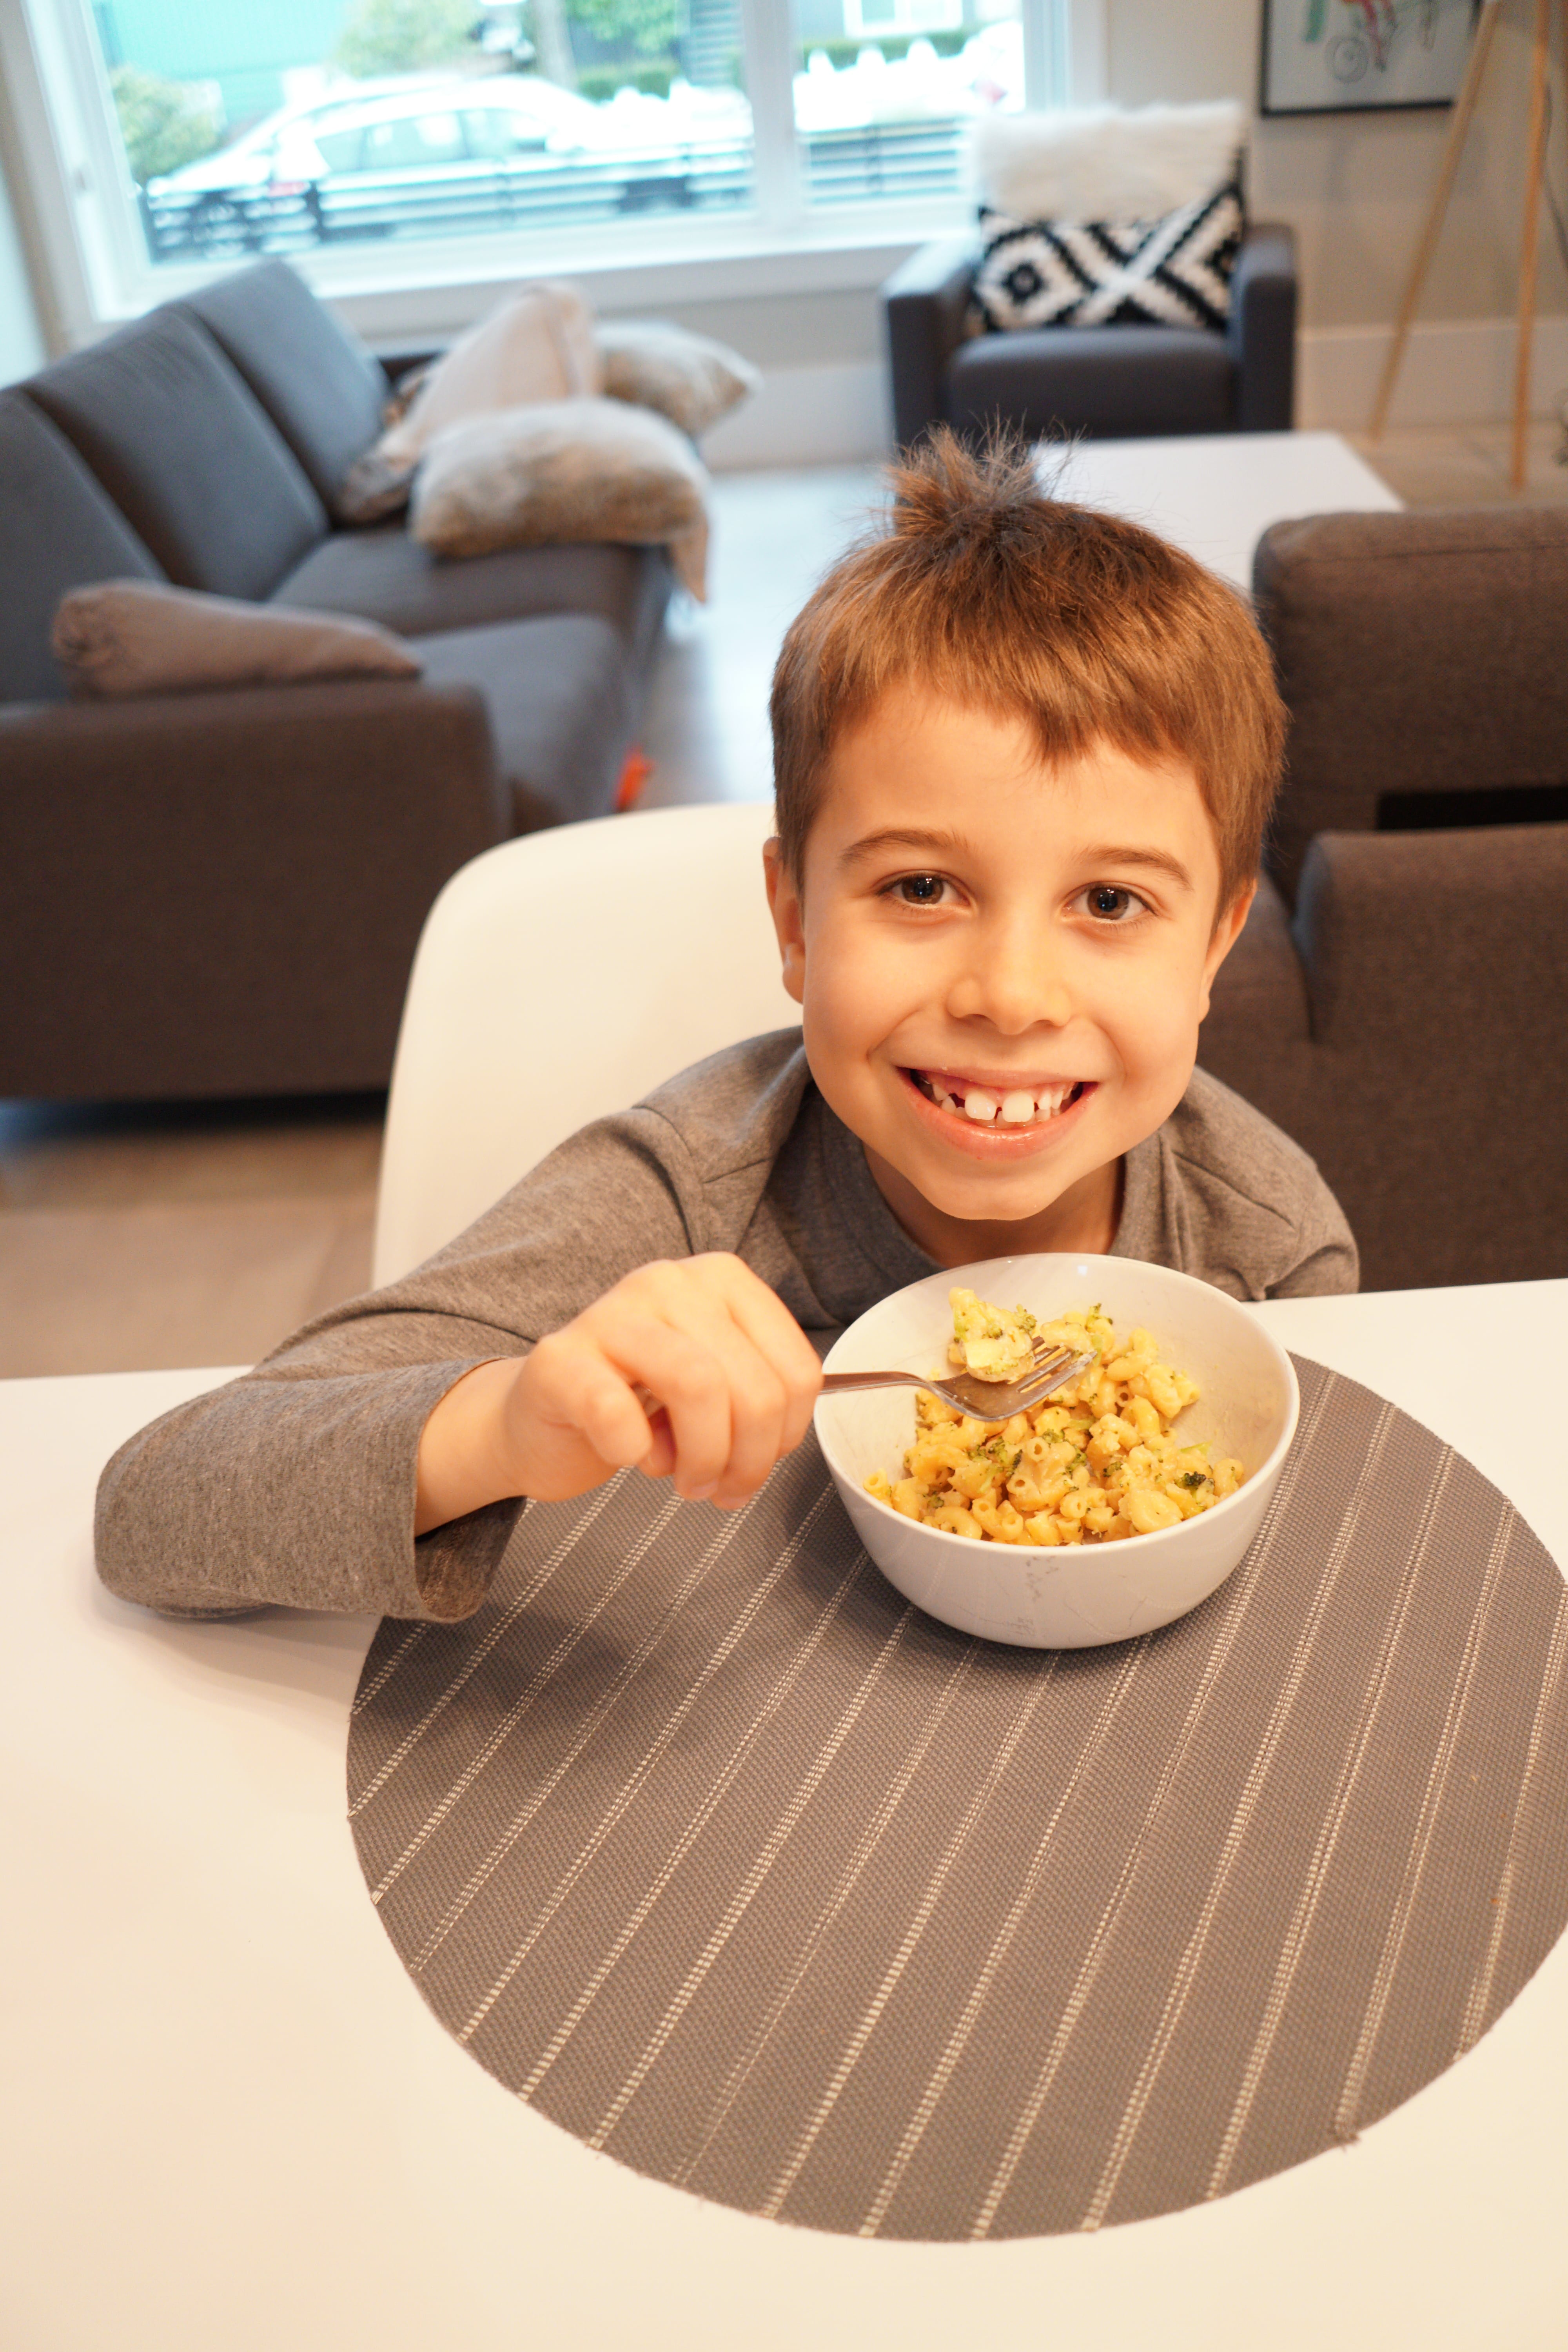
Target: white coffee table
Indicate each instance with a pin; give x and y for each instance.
(1216, 494)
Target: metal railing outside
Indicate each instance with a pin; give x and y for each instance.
(878, 160)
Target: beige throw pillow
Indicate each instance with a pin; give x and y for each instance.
(536, 345)
(562, 472)
(125, 638)
(689, 378)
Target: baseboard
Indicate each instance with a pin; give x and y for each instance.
(1457, 372)
(1454, 371)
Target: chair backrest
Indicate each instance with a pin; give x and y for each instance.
(558, 978)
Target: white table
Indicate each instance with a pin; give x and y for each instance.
(229, 2121)
(1216, 494)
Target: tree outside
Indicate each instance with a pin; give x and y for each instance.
(394, 36)
(162, 123)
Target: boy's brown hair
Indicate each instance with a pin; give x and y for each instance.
(990, 593)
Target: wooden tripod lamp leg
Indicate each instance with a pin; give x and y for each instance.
(1529, 242)
(1464, 106)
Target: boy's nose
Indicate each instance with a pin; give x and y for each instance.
(1013, 980)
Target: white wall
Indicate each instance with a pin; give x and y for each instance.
(21, 337)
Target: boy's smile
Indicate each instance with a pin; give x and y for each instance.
(1001, 967)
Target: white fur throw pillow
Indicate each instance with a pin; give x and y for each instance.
(1105, 162)
(689, 378)
(562, 472)
(136, 636)
(536, 345)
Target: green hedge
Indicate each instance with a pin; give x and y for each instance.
(601, 82)
(844, 53)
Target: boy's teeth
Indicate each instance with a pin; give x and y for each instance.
(1016, 1107)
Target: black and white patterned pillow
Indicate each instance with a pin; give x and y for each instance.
(1171, 272)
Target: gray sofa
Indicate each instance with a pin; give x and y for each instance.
(1399, 1001)
(220, 893)
(1105, 381)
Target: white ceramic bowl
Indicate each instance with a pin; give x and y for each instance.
(1070, 1596)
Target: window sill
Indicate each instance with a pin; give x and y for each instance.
(386, 293)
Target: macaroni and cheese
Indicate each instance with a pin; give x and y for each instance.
(1095, 1463)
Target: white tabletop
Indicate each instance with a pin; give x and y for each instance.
(230, 2122)
(1216, 494)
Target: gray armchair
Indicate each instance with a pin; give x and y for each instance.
(1109, 381)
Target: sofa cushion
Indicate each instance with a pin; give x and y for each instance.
(184, 450)
(56, 529)
(562, 700)
(318, 385)
(388, 577)
(1107, 380)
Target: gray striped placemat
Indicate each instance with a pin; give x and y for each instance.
(706, 1844)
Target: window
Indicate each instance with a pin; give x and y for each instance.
(396, 140)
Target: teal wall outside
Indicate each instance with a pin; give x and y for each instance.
(242, 45)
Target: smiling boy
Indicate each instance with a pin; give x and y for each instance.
(1024, 757)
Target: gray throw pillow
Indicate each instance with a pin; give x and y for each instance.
(121, 637)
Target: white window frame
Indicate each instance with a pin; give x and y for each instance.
(88, 244)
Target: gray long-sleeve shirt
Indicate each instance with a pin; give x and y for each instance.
(295, 1484)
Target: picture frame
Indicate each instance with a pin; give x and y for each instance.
(1363, 56)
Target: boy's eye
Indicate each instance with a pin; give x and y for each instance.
(1109, 903)
(920, 890)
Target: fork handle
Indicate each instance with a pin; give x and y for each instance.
(840, 1381)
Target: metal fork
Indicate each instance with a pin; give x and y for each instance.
(1050, 1369)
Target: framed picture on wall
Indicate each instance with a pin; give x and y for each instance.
(1339, 57)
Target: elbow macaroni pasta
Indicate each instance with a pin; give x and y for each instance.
(1094, 1464)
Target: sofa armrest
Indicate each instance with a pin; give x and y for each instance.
(1262, 328)
(923, 303)
(214, 893)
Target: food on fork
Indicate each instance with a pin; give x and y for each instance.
(1097, 1464)
(993, 1343)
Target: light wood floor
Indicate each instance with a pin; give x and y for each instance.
(140, 1237)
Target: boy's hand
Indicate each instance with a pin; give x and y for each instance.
(734, 1375)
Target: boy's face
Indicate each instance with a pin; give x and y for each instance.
(979, 933)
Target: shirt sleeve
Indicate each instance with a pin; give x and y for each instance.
(295, 1484)
(1329, 1262)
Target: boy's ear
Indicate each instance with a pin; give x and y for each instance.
(1227, 932)
(783, 905)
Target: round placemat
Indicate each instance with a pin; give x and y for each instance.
(711, 1848)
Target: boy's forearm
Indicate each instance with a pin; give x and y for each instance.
(464, 1460)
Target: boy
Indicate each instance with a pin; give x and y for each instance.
(1024, 757)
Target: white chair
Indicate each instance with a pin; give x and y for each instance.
(558, 978)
